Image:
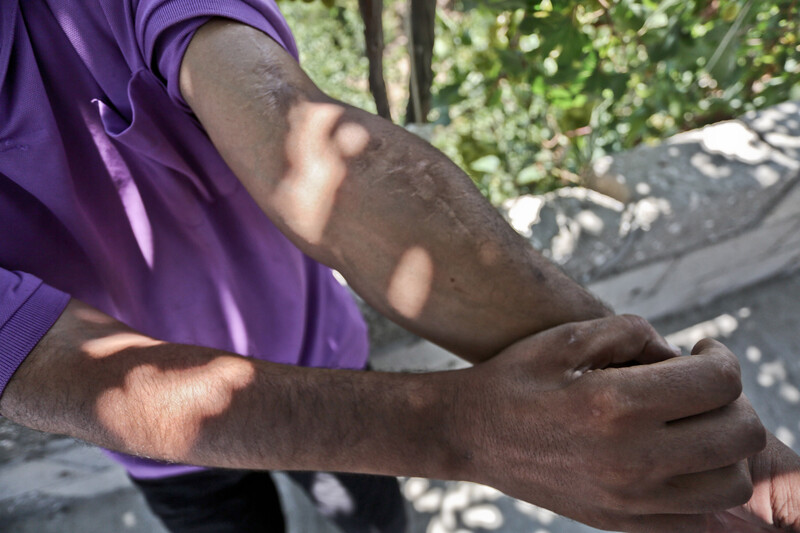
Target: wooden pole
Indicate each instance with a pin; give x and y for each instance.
(372, 13)
(422, 20)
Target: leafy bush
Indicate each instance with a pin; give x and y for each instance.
(331, 43)
(531, 92)
(528, 92)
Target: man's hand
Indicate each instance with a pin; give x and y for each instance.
(775, 505)
(646, 448)
(549, 420)
(775, 472)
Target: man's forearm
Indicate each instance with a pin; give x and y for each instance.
(405, 225)
(114, 387)
(531, 422)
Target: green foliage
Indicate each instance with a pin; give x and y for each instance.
(331, 43)
(326, 3)
(528, 92)
(531, 91)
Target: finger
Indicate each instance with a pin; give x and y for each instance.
(775, 481)
(703, 492)
(708, 345)
(669, 523)
(709, 523)
(598, 344)
(730, 523)
(682, 386)
(714, 439)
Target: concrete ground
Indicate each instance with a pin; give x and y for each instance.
(53, 484)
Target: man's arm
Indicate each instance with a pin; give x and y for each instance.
(603, 447)
(610, 447)
(406, 226)
(96, 379)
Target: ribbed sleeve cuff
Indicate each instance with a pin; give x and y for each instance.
(161, 17)
(26, 327)
(163, 14)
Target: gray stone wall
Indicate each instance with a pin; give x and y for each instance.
(663, 228)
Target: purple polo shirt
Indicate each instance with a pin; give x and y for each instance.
(111, 192)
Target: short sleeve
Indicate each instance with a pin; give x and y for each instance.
(28, 308)
(164, 28)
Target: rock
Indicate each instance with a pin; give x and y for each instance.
(576, 228)
(669, 226)
(779, 126)
(695, 189)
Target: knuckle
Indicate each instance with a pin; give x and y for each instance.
(574, 332)
(605, 408)
(638, 326)
(573, 335)
(636, 474)
(618, 480)
(730, 376)
(734, 488)
(740, 492)
(704, 345)
(755, 434)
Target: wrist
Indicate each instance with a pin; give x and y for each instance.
(463, 419)
(429, 441)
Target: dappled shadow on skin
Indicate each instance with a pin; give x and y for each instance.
(186, 388)
(323, 153)
(326, 201)
(187, 398)
(357, 193)
(311, 189)
(318, 151)
(188, 404)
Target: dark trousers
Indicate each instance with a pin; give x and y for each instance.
(235, 501)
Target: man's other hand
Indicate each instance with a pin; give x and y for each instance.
(775, 505)
(776, 488)
(775, 473)
(655, 447)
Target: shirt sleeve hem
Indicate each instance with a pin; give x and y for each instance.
(153, 24)
(26, 327)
